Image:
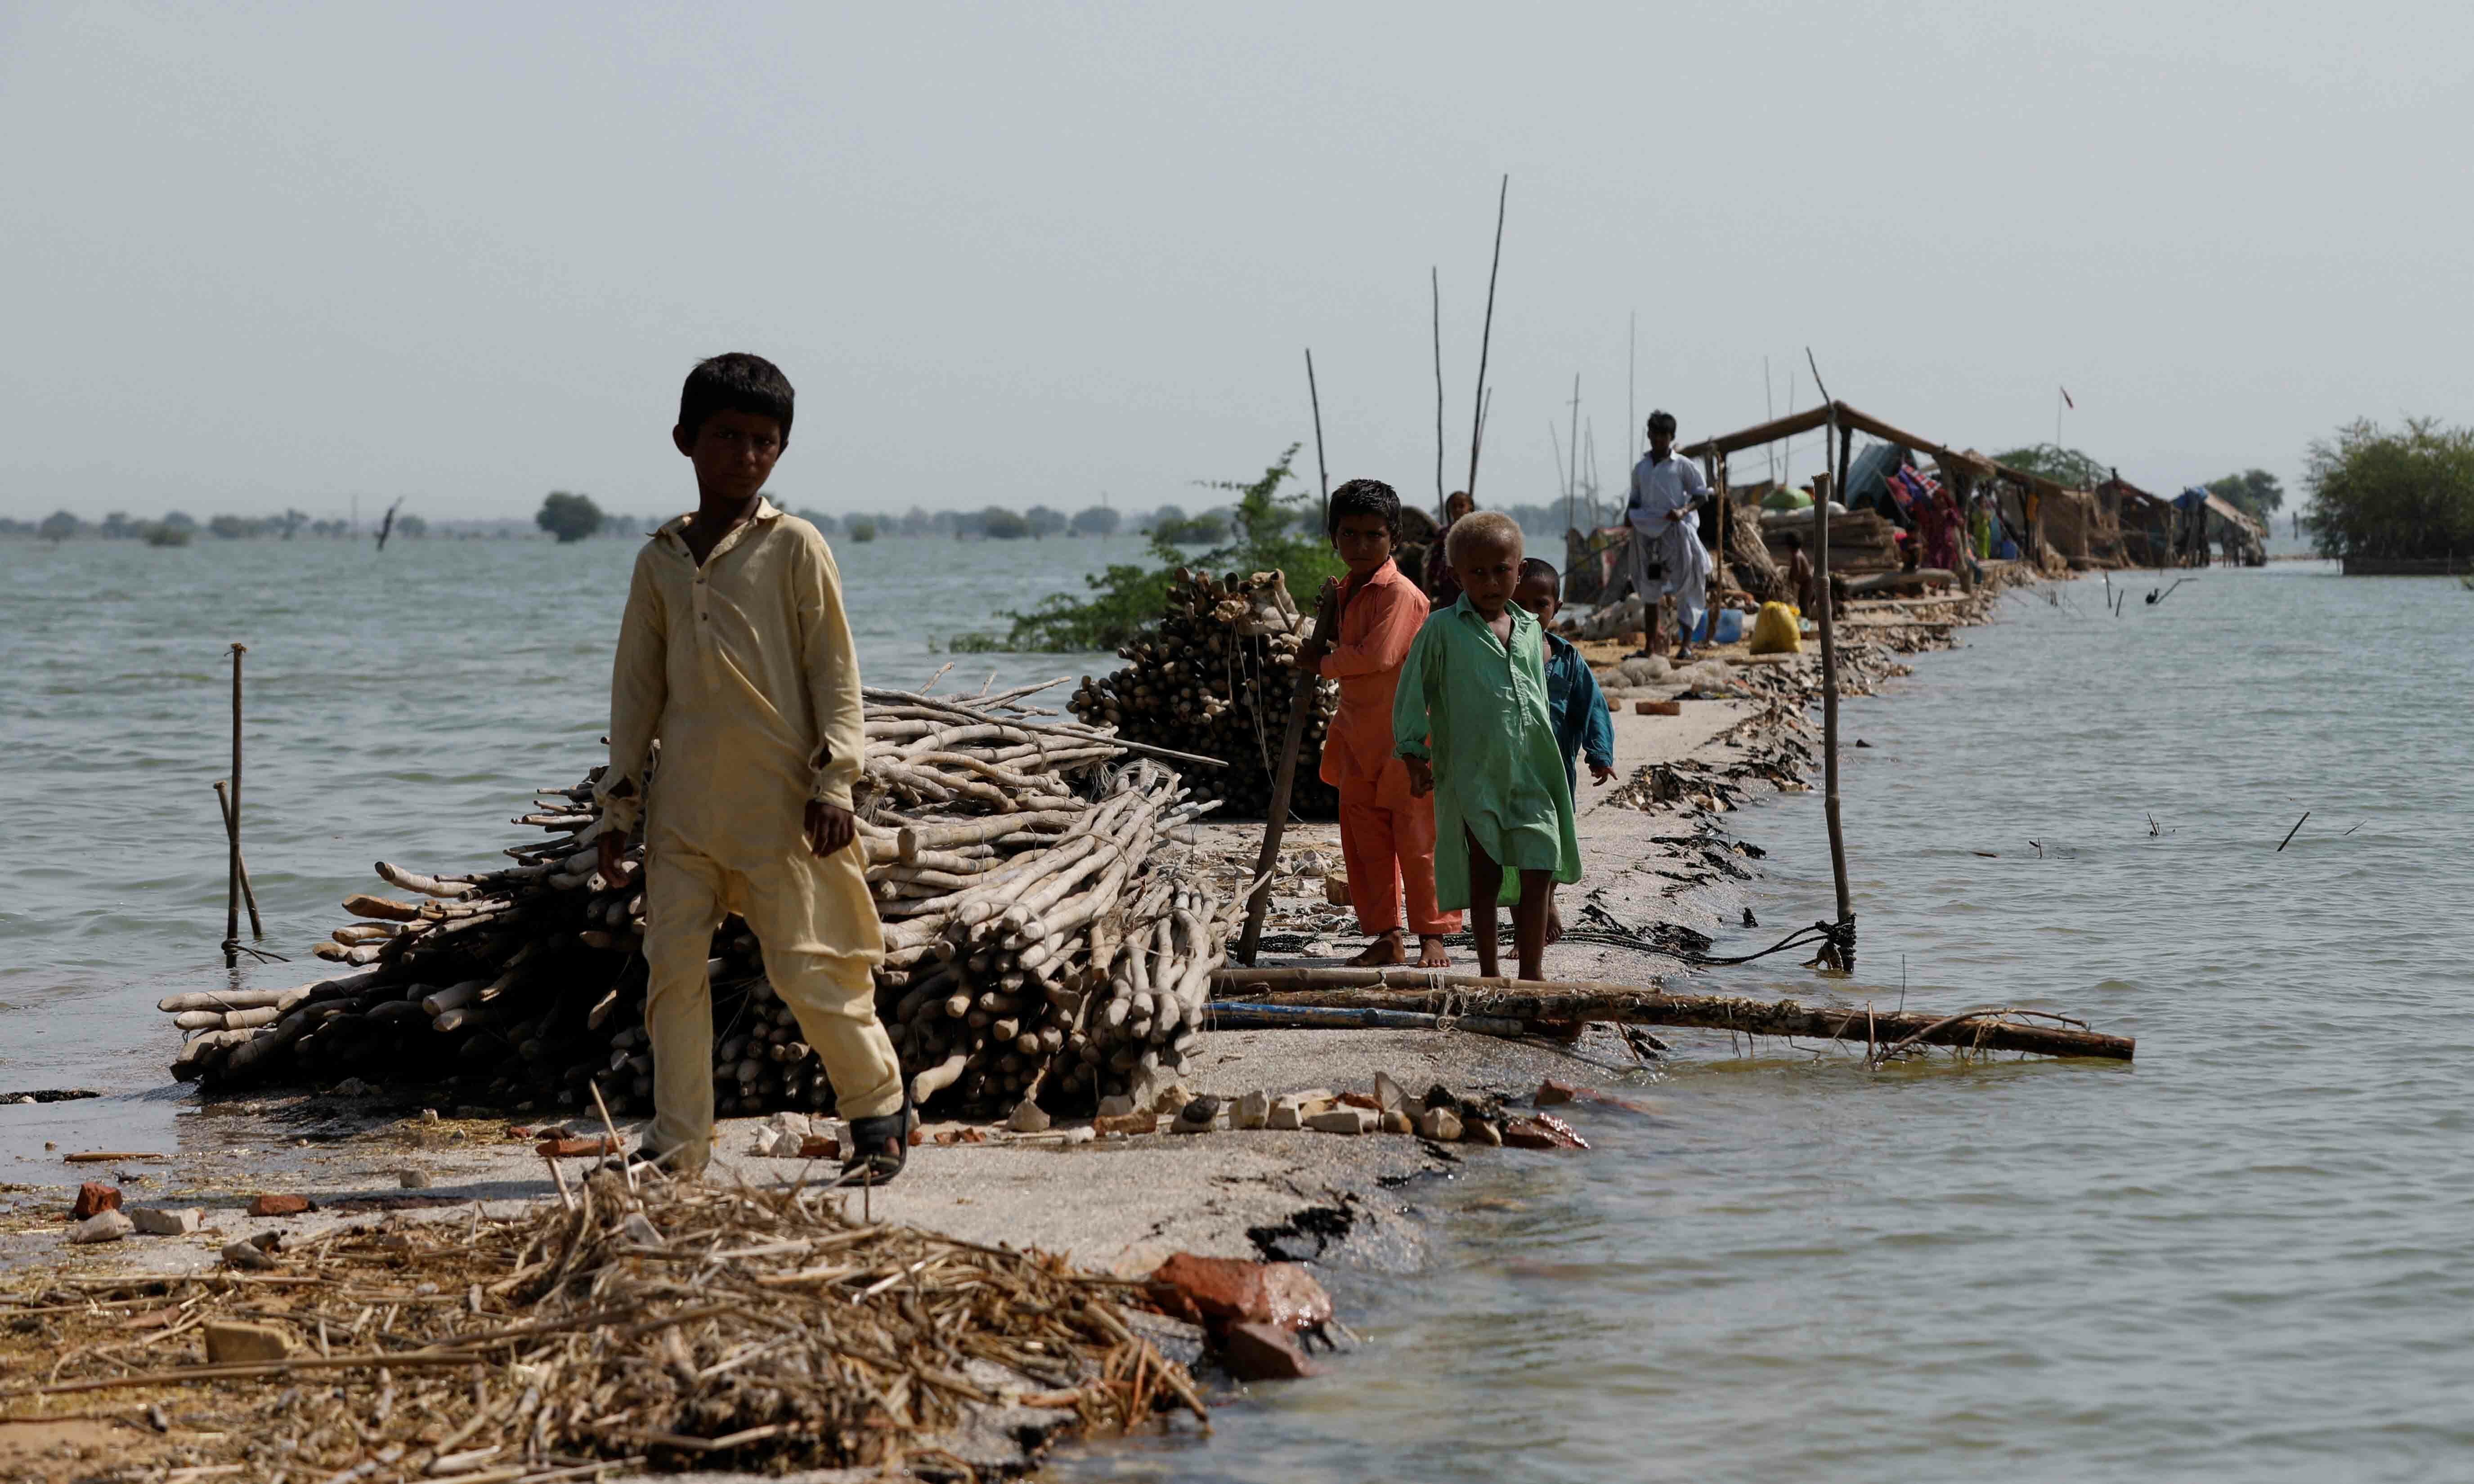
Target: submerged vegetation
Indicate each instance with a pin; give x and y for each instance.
(1269, 530)
(2380, 494)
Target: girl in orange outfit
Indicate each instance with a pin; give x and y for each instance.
(1362, 634)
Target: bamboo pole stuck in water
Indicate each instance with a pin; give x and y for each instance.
(232, 827)
(1588, 999)
(1837, 442)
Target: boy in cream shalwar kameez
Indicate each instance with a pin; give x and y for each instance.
(743, 667)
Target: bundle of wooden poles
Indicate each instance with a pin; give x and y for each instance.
(1061, 975)
(1035, 942)
(1217, 676)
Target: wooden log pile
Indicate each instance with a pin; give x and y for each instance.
(1031, 929)
(1860, 541)
(1217, 678)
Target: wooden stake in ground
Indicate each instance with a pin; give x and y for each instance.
(1485, 339)
(1823, 598)
(232, 827)
(1276, 818)
(231, 878)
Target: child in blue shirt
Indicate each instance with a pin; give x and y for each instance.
(1574, 703)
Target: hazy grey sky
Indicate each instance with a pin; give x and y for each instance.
(268, 256)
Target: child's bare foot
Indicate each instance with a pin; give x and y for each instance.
(1554, 926)
(1386, 949)
(1430, 953)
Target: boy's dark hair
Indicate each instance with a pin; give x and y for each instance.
(737, 382)
(1364, 497)
(1791, 541)
(1661, 417)
(1539, 566)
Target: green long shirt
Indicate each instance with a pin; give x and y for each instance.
(1478, 710)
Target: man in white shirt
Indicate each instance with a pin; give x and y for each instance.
(1666, 557)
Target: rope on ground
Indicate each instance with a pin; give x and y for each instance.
(1830, 936)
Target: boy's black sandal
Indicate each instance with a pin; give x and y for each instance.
(878, 1146)
(644, 1159)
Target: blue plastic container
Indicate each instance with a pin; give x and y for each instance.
(1728, 623)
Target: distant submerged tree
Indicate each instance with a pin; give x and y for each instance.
(998, 524)
(59, 526)
(2257, 492)
(571, 518)
(2378, 493)
(228, 528)
(863, 529)
(1043, 522)
(2069, 468)
(180, 520)
(409, 527)
(1096, 521)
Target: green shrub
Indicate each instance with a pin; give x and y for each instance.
(2377, 493)
(1126, 600)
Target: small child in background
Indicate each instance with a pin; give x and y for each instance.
(1471, 722)
(1363, 631)
(1574, 703)
(1799, 572)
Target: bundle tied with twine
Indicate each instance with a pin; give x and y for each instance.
(1015, 863)
(680, 1324)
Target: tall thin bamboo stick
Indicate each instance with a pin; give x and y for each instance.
(231, 878)
(1825, 599)
(1435, 280)
(232, 827)
(1485, 339)
(1323, 471)
(1575, 476)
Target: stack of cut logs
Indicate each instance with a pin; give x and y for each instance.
(1861, 541)
(1038, 945)
(1218, 677)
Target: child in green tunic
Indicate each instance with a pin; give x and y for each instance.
(1471, 720)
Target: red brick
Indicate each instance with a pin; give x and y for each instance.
(95, 1198)
(1127, 1123)
(820, 1146)
(280, 1206)
(1263, 1352)
(1233, 1290)
(575, 1148)
(1542, 1132)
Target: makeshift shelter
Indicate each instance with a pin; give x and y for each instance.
(2142, 524)
(1962, 471)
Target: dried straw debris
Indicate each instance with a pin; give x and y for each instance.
(682, 1324)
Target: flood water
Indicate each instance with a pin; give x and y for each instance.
(2251, 1258)
(2248, 1257)
(397, 703)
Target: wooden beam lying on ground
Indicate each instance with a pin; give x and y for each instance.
(1593, 999)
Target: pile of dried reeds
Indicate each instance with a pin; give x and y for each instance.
(1218, 677)
(1011, 865)
(680, 1324)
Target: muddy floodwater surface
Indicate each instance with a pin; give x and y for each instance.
(2248, 1258)
(2245, 1257)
